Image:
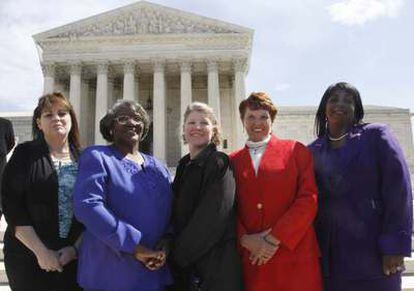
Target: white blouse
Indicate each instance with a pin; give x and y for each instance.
(256, 150)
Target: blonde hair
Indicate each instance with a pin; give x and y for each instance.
(208, 111)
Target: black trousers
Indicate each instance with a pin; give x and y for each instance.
(24, 274)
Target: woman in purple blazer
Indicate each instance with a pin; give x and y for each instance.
(364, 221)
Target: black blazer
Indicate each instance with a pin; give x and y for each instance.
(30, 197)
(204, 219)
(6, 143)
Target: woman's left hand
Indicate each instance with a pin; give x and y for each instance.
(66, 255)
(392, 264)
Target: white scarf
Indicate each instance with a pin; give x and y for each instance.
(256, 150)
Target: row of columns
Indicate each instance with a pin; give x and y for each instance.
(130, 92)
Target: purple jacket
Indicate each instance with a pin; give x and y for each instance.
(365, 202)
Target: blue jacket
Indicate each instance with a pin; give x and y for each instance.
(121, 205)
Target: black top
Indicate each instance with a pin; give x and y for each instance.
(30, 197)
(6, 143)
(204, 219)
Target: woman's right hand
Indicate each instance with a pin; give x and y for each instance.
(48, 260)
(145, 255)
(260, 250)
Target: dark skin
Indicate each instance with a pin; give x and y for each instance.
(340, 113)
(127, 131)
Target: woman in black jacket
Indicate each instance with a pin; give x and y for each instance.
(204, 255)
(41, 236)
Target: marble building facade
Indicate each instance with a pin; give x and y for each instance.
(166, 58)
(162, 57)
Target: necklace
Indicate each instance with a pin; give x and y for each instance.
(258, 146)
(337, 138)
(255, 150)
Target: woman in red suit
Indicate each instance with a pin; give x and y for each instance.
(277, 201)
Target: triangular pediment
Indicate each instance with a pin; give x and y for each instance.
(142, 18)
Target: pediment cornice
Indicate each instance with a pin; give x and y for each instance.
(142, 18)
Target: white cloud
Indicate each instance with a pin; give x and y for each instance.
(358, 12)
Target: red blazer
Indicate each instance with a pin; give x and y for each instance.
(283, 197)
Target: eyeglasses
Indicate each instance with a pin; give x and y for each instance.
(124, 119)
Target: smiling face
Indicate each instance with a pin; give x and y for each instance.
(55, 121)
(257, 123)
(127, 127)
(198, 130)
(340, 108)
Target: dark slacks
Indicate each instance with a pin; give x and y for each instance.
(24, 274)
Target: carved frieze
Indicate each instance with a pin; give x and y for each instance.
(142, 21)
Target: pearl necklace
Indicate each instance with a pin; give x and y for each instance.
(337, 138)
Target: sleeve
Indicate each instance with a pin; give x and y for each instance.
(90, 207)
(210, 218)
(10, 142)
(241, 230)
(396, 195)
(14, 189)
(294, 224)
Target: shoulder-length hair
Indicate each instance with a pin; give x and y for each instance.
(320, 118)
(46, 102)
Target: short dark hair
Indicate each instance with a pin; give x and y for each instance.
(106, 124)
(320, 118)
(256, 101)
(46, 102)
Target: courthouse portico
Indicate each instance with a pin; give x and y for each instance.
(162, 57)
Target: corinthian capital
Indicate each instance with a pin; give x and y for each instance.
(129, 66)
(212, 65)
(102, 68)
(185, 67)
(75, 68)
(48, 69)
(240, 65)
(159, 65)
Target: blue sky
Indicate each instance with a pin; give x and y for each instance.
(300, 46)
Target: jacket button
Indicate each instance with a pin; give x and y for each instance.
(259, 206)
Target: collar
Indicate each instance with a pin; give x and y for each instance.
(202, 156)
(255, 145)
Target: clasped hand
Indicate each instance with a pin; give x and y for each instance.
(51, 261)
(392, 264)
(152, 260)
(262, 246)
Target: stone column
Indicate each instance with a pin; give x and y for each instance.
(129, 80)
(137, 97)
(186, 97)
(101, 99)
(239, 95)
(49, 77)
(213, 88)
(159, 118)
(75, 87)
